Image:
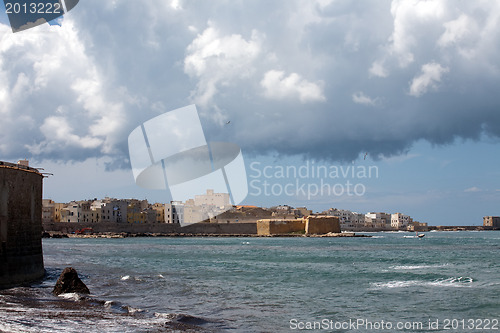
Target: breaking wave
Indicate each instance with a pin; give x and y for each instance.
(448, 282)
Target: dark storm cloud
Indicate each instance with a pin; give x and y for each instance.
(321, 79)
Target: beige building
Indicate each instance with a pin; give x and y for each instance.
(88, 213)
(71, 212)
(114, 211)
(400, 221)
(378, 220)
(51, 211)
(212, 199)
(159, 208)
(418, 226)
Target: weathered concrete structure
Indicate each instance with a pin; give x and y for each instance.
(321, 225)
(309, 225)
(166, 228)
(277, 227)
(491, 221)
(21, 258)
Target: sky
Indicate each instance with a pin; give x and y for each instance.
(408, 88)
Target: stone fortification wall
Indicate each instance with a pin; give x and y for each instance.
(21, 258)
(198, 228)
(276, 227)
(311, 225)
(322, 225)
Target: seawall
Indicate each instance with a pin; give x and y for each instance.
(164, 228)
(21, 257)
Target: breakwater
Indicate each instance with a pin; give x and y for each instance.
(158, 228)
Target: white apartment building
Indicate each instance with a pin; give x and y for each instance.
(72, 213)
(348, 219)
(400, 221)
(378, 220)
(174, 212)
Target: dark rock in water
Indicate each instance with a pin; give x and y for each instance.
(186, 323)
(187, 319)
(69, 282)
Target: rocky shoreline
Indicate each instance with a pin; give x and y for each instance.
(174, 235)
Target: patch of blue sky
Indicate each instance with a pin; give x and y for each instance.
(4, 19)
(58, 21)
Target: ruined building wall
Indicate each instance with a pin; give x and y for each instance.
(322, 224)
(21, 258)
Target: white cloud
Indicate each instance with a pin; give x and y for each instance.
(277, 86)
(176, 4)
(429, 78)
(104, 73)
(473, 189)
(409, 16)
(216, 59)
(360, 98)
(378, 69)
(58, 77)
(456, 30)
(58, 131)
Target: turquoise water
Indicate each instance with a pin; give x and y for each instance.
(278, 284)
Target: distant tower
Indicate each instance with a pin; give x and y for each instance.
(21, 258)
(24, 162)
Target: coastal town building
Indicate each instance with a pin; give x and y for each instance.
(159, 209)
(214, 208)
(114, 211)
(174, 212)
(417, 226)
(135, 214)
(400, 221)
(71, 213)
(89, 215)
(378, 220)
(212, 199)
(301, 211)
(283, 212)
(51, 211)
(345, 217)
(349, 220)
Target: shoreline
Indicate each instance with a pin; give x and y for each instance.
(110, 235)
(347, 233)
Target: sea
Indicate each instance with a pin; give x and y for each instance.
(444, 282)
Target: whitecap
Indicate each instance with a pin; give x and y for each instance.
(395, 284)
(71, 296)
(453, 282)
(412, 267)
(126, 277)
(448, 282)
